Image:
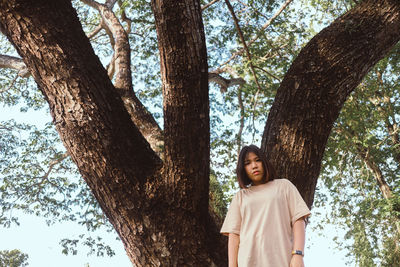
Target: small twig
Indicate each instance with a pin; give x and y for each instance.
(255, 10)
(11, 85)
(239, 30)
(53, 163)
(128, 21)
(241, 107)
(239, 52)
(208, 5)
(96, 30)
(270, 74)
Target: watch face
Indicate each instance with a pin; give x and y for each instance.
(298, 252)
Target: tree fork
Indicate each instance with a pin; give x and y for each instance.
(123, 172)
(123, 81)
(184, 73)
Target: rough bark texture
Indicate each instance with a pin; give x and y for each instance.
(161, 211)
(186, 104)
(123, 78)
(317, 84)
(184, 70)
(161, 214)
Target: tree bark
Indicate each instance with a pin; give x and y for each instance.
(161, 211)
(123, 80)
(161, 214)
(184, 73)
(317, 84)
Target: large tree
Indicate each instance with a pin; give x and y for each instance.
(156, 197)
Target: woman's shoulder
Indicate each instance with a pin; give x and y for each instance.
(283, 183)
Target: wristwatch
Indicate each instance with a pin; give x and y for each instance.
(298, 252)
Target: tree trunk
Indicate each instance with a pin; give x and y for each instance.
(160, 213)
(160, 210)
(317, 84)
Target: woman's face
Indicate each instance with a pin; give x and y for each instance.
(254, 168)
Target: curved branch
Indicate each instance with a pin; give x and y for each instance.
(96, 30)
(121, 66)
(317, 84)
(14, 63)
(224, 83)
(245, 47)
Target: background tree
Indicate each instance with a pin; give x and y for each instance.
(104, 125)
(363, 158)
(13, 258)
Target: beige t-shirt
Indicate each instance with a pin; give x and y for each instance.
(263, 216)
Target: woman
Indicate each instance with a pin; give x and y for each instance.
(266, 219)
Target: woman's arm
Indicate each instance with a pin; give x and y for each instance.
(233, 248)
(299, 236)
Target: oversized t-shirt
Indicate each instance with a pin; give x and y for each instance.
(263, 216)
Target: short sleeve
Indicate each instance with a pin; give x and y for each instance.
(297, 206)
(233, 218)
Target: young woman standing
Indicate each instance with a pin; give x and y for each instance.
(266, 219)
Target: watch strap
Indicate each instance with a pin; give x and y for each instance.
(298, 252)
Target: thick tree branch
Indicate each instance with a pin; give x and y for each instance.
(110, 152)
(121, 65)
(184, 73)
(327, 69)
(186, 108)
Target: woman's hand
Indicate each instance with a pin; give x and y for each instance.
(297, 261)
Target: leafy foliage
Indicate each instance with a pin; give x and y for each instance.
(361, 160)
(13, 258)
(38, 178)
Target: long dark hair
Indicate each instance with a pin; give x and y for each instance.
(243, 179)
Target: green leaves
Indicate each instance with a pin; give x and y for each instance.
(361, 164)
(96, 246)
(37, 177)
(13, 258)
